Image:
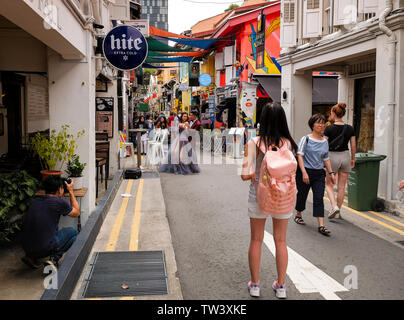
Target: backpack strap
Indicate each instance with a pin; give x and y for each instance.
(263, 148)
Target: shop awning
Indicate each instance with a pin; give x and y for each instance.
(196, 43)
(271, 84)
(325, 90)
(155, 45)
(166, 60)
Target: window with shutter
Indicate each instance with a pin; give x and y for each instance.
(345, 12)
(219, 61)
(368, 9)
(288, 24)
(313, 4)
(312, 18)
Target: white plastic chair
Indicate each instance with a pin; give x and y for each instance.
(156, 151)
(161, 143)
(151, 146)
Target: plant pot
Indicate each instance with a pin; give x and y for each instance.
(46, 173)
(78, 182)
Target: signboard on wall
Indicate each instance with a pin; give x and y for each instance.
(194, 75)
(142, 25)
(205, 79)
(104, 115)
(125, 48)
(37, 102)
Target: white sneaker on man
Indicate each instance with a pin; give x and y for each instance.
(334, 212)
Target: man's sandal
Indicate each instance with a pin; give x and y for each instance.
(323, 230)
(299, 220)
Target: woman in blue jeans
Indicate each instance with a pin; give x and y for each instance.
(312, 158)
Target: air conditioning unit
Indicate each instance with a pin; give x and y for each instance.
(120, 10)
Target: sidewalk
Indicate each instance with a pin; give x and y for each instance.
(138, 223)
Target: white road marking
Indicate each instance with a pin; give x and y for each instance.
(306, 277)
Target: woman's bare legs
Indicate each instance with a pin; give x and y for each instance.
(329, 187)
(254, 253)
(279, 232)
(342, 181)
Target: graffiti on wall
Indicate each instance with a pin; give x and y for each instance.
(248, 103)
(272, 48)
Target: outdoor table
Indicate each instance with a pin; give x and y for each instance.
(139, 142)
(79, 194)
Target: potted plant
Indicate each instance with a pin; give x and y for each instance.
(16, 191)
(75, 170)
(55, 150)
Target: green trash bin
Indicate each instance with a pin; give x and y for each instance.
(363, 181)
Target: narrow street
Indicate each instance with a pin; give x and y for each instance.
(208, 219)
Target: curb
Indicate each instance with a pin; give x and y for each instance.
(76, 257)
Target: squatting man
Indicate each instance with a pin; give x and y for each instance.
(41, 237)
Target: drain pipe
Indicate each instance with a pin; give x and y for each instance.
(393, 131)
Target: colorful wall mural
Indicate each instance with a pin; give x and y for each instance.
(247, 63)
(248, 54)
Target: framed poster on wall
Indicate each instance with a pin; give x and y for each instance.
(104, 115)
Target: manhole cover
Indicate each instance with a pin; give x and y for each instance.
(126, 274)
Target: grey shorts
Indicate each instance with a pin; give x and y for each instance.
(340, 161)
(254, 212)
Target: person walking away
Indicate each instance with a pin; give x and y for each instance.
(274, 140)
(312, 157)
(339, 135)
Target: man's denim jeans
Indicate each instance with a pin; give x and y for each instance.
(64, 240)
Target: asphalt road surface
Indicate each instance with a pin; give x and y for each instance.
(210, 231)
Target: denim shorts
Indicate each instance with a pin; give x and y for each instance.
(254, 212)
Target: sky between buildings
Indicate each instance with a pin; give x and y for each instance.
(183, 14)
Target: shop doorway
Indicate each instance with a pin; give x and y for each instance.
(364, 113)
(12, 90)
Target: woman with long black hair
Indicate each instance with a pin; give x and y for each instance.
(273, 132)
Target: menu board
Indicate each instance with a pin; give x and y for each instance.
(104, 115)
(37, 102)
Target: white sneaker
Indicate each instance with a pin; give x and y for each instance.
(280, 290)
(254, 289)
(333, 212)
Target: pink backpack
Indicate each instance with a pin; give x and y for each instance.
(276, 191)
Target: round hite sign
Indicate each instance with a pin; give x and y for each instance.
(125, 48)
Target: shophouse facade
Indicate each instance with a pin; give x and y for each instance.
(363, 42)
(50, 67)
